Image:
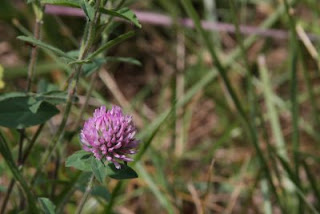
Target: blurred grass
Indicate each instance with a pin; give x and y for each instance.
(224, 86)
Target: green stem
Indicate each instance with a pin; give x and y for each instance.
(114, 194)
(24, 158)
(58, 138)
(6, 153)
(85, 195)
(34, 53)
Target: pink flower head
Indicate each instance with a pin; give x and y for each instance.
(109, 135)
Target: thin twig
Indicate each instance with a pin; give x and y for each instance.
(196, 198)
(308, 44)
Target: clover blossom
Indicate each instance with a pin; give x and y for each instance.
(109, 135)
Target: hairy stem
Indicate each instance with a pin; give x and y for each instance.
(34, 54)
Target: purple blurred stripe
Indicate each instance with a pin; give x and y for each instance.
(63, 11)
(163, 20)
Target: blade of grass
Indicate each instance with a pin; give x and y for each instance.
(253, 134)
(154, 188)
(252, 100)
(313, 183)
(296, 183)
(294, 49)
(6, 154)
(222, 71)
(271, 110)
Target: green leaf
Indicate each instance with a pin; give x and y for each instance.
(71, 3)
(45, 46)
(74, 54)
(34, 104)
(80, 160)
(87, 9)
(111, 43)
(125, 172)
(93, 66)
(22, 111)
(99, 169)
(54, 97)
(84, 61)
(124, 13)
(12, 95)
(96, 63)
(101, 191)
(129, 60)
(47, 206)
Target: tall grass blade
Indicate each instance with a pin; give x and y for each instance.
(271, 109)
(153, 186)
(313, 183)
(296, 183)
(6, 154)
(221, 69)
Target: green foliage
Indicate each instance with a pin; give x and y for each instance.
(45, 46)
(47, 206)
(85, 161)
(111, 43)
(80, 160)
(176, 97)
(101, 192)
(124, 13)
(6, 154)
(96, 63)
(26, 111)
(93, 66)
(70, 3)
(88, 9)
(98, 169)
(22, 110)
(125, 172)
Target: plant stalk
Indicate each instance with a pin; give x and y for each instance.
(58, 138)
(85, 195)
